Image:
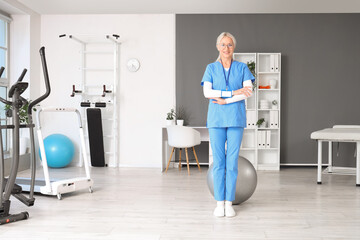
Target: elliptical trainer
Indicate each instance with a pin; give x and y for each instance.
(8, 186)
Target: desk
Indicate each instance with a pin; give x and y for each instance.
(337, 135)
(204, 136)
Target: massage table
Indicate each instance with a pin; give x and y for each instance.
(339, 133)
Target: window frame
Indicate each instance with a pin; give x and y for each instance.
(4, 80)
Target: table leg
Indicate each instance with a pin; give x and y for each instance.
(319, 162)
(330, 157)
(358, 164)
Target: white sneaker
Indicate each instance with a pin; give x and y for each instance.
(219, 210)
(229, 210)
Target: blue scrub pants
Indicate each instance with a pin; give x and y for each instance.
(225, 166)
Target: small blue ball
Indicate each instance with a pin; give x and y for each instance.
(59, 150)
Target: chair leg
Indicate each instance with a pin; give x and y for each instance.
(197, 161)
(180, 159)
(172, 151)
(187, 160)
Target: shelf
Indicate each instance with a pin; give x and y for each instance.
(268, 72)
(268, 148)
(268, 89)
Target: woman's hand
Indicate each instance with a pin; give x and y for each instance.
(219, 101)
(245, 90)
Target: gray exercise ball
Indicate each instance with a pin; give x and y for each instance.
(245, 184)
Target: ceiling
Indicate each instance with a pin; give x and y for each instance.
(181, 6)
(8, 9)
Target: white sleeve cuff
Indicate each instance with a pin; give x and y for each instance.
(209, 92)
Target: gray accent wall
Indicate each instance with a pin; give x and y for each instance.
(320, 71)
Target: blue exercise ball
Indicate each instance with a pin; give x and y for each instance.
(59, 150)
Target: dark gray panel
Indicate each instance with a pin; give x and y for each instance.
(320, 70)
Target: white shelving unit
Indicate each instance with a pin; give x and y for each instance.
(267, 71)
(99, 67)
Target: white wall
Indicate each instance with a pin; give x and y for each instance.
(24, 53)
(144, 96)
(19, 48)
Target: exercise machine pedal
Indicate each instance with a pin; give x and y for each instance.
(27, 201)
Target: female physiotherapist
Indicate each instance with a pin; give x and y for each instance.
(226, 83)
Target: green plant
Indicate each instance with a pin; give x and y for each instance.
(180, 113)
(23, 116)
(251, 66)
(170, 115)
(260, 121)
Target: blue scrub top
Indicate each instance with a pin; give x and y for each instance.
(233, 114)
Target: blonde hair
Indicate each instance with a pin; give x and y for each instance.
(221, 36)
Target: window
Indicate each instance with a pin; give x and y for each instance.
(4, 79)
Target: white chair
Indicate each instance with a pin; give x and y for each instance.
(183, 137)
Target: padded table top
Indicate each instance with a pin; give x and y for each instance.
(337, 134)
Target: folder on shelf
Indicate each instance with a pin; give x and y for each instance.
(253, 119)
(276, 63)
(274, 120)
(250, 119)
(259, 143)
(272, 63)
(268, 138)
(263, 139)
(271, 125)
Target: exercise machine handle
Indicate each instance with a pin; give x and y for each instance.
(47, 82)
(22, 75)
(2, 69)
